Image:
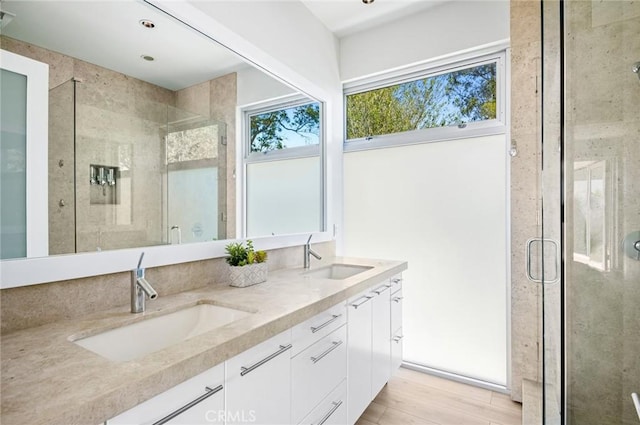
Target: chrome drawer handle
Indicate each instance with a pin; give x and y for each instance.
(324, 419)
(209, 393)
(397, 299)
(381, 289)
(245, 370)
(315, 329)
(334, 345)
(396, 280)
(365, 298)
(397, 338)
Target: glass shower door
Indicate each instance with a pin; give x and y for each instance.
(591, 204)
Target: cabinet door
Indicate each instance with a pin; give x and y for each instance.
(359, 355)
(396, 311)
(381, 338)
(199, 400)
(396, 350)
(258, 384)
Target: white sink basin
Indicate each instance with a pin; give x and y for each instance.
(147, 336)
(337, 271)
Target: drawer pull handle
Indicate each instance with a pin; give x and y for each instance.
(245, 370)
(397, 299)
(334, 345)
(396, 280)
(209, 393)
(365, 298)
(315, 329)
(398, 338)
(336, 405)
(381, 289)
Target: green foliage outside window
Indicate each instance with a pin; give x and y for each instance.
(449, 99)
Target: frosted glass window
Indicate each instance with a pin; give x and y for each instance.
(442, 207)
(278, 204)
(13, 161)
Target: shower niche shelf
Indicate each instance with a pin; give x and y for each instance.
(104, 187)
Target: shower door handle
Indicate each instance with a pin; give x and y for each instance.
(556, 258)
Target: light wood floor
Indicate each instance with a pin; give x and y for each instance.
(414, 398)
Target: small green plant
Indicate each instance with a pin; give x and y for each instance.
(240, 255)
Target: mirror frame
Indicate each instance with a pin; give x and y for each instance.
(32, 271)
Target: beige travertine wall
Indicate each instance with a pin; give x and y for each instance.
(525, 133)
(217, 99)
(35, 305)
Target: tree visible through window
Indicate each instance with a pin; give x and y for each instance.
(285, 128)
(453, 98)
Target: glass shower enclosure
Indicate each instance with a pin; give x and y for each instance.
(591, 212)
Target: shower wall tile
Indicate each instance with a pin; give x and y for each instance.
(224, 93)
(60, 66)
(196, 99)
(525, 127)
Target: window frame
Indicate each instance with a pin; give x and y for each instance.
(435, 134)
(245, 157)
(284, 102)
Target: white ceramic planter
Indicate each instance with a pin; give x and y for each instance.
(242, 276)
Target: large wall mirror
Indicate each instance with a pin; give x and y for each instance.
(144, 143)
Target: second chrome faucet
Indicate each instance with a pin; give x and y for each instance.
(308, 252)
(140, 289)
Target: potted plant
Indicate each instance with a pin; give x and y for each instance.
(246, 265)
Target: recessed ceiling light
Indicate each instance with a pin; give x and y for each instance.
(367, 1)
(148, 58)
(147, 23)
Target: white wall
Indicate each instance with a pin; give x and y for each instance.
(256, 86)
(442, 207)
(453, 26)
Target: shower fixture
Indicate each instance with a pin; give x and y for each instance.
(636, 69)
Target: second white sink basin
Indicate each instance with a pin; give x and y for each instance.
(337, 271)
(147, 336)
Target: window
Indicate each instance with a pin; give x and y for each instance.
(446, 97)
(283, 168)
(287, 127)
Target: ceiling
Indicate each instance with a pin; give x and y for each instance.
(109, 34)
(344, 17)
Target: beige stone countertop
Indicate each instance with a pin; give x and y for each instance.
(47, 379)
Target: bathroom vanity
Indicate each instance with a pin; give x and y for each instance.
(312, 346)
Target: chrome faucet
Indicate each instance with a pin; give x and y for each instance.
(308, 252)
(140, 289)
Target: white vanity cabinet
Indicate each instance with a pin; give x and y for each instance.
(199, 400)
(332, 410)
(359, 329)
(258, 383)
(381, 338)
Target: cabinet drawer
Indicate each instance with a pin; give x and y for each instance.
(197, 400)
(316, 371)
(320, 325)
(396, 283)
(396, 311)
(332, 410)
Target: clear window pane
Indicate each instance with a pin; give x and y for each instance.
(462, 96)
(285, 128)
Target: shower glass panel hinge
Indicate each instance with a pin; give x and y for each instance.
(223, 140)
(543, 260)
